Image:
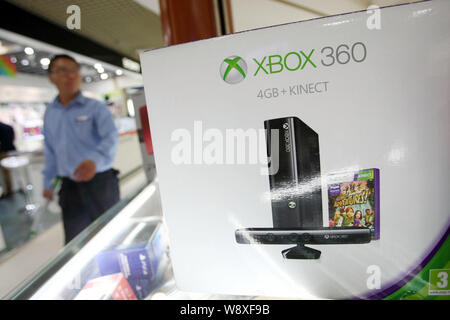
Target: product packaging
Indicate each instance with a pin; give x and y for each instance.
(257, 134)
(138, 262)
(111, 287)
(354, 200)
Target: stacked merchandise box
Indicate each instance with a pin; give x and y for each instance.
(111, 287)
(138, 262)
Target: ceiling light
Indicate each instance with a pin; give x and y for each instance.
(131, 65)
(104, 76)
(130, 108)
(98, 65)
(25, 62)
(13, 59)
(44, 66)
(45, 61)
(88, 79)
(29, 51)
(119, 72)
(100, 70)
(3, 50)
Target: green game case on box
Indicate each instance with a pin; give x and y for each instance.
(354, 200)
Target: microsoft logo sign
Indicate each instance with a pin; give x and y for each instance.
(233, 69)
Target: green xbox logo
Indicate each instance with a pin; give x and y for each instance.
(233, 69)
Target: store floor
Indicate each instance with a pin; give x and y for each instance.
(28, 253)
(16, 223)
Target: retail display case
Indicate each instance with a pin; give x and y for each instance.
(122, 255)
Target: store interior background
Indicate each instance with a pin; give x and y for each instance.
(126, 27)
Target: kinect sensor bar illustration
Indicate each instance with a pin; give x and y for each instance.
(300, 237)
(352, 235)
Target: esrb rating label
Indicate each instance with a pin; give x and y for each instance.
(439, 282)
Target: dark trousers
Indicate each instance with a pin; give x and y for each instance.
(83, 202)
(6, 177)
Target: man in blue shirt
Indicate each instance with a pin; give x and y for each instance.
(80, 144)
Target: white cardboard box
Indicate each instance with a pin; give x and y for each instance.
(377, 97)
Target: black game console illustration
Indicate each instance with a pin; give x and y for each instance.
(296, 194)
(295, 189)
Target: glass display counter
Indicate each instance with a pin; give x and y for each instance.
(123, 255)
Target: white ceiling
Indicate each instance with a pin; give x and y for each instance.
(124, 26)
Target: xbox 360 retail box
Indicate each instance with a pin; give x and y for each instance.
(308, 160)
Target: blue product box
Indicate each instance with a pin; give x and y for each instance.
(133, 262)
(138, 262)
(159, 247)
